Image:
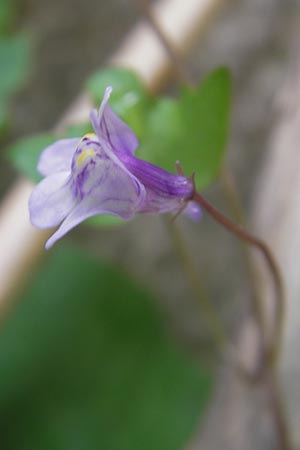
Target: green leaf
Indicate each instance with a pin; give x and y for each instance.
(3, 116)
(192, 129)
(86, 364)
(78, 130)
(205, 115)
(25, 152)
(14, 68)
(104, 220)
(163, 134)
(7, 15)
(14, 62)
(129, 98)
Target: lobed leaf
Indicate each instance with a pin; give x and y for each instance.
(192, 129)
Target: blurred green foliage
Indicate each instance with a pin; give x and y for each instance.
(8, 10)
(15, 59)
(191, 129)
(25, 152)
(86, 364)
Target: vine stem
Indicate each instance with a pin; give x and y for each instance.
(244, 235)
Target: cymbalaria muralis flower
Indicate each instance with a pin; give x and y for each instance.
(99, 174)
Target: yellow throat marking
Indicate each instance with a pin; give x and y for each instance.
(85, 154)
(91, 136)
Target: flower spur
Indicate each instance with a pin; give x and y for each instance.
(99, 174)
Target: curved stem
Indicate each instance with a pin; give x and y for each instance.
(244, 235)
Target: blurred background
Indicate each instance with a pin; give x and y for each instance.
(104, 345)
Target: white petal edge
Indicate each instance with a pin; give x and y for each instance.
(118, 195)
(51, 201)
(57, 157)
(113, 129)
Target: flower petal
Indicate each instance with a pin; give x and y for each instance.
(51, 201)
(57, 157)
(116, 193)
(193, 211)
(108, 125)
(165, 191)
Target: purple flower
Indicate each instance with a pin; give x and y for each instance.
(99, 174)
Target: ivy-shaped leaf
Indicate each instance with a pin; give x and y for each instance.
(192, 129)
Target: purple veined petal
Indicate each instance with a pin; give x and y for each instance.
(108, 125)
(116, 193)
(165, 191)
(51, 201)
(105, 139)
(193, 211)
(57, 157)
(109, 151)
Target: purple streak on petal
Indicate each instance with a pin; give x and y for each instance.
(193, 211)
(115, 193)
(109, 126)
(164, 191)
(111, 153)
(51, 201)
(57, 157)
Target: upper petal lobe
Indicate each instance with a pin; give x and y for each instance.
(110, 127)
(57, 157)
